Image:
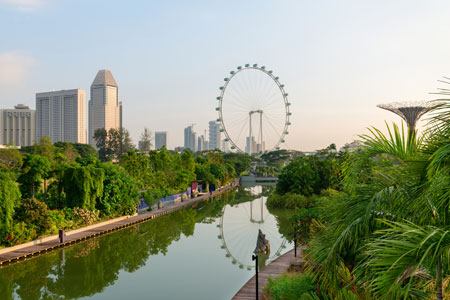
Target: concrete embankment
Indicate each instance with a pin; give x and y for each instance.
(26, 250)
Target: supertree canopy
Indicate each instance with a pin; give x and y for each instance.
(411, 112)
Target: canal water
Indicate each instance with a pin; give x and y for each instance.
(193, 254)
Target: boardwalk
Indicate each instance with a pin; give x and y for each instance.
(33, 250)
(272, 270)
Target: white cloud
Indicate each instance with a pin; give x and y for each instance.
(14, 68)
(24, 5)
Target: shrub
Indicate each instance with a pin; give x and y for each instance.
(288, 200)
(290, 286)
(20, 233)
(34, 212)
(58, 220)
(83, 216)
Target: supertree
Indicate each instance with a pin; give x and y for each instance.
(411, 112)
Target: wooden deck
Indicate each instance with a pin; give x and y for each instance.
(34, 250)
(272, 270)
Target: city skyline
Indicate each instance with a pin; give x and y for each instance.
(336, 73)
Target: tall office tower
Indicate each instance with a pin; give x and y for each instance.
(61, 116)
(17, 126)
(190, 138)
(206, 145)
(201, 143)
(104, 106)
(214, 135)
(160, 139)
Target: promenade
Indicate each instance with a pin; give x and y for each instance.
(88, 232)
(272, 270)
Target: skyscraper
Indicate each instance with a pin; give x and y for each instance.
(160, 139)
(61, 115)
(214, 135)
(201, 143)
(190, 138)
(17, 126)
(104, 107)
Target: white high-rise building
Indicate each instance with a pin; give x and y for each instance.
(160, 139)
(104, 106)
(190, 138)
(225, 146)
(214, 135)
(61, 116)
(201, 145)
(17, 126)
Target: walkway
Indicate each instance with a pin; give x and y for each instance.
(89, 233)
(272, 270)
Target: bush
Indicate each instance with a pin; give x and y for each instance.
(290, 286)
(20, 233)
(83, 216)
(58, 220)
(34, 212)
(288, 200)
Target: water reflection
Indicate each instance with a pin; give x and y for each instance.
(88, 268)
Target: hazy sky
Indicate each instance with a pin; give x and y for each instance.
(337, 59)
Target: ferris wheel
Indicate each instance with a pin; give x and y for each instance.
(253, 110)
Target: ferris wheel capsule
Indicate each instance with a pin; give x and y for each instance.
(255, 65)
(282, 85)
(218, 98)
(276, 78)
(217, 108)
(263, 67)
(221, 88)
(286, 94)
(239, 68)
(231, 72)
(247, 65)
(226, 79)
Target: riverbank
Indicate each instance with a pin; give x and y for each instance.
(16, 253)
(272, 270)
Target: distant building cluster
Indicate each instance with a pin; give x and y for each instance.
(61, 115)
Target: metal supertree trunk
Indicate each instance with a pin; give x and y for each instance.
(410, 112)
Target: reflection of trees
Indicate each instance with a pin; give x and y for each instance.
(87, 268)
(91, 266)
(284, 222)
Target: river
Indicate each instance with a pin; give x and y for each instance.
(192, 254)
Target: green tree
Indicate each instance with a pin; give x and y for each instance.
(9, 196)
(35, 168)
(34, 212)
(101, 139)
(82, 185)
(119, 142)
(120, 193)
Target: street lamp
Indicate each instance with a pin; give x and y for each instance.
(255, 258)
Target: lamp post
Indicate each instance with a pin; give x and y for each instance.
(255, 258)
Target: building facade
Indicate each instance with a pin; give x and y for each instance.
(214, 135)
(61, 116)
(160, 139)
(17, 126)
(105, 110)
(190, 138)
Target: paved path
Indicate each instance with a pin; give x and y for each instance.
(272, 270)
(83, 235)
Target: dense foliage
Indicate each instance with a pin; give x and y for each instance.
(385, 234)
(48, 186)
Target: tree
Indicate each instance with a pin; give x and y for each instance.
(35, 168)
(10, 159)
(119, 142)
(9, 195)
(45, 148)
(35, 213)
(101, 139)
(120, 192)
(146, 140)
(82, 185)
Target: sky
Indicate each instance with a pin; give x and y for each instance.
(337, 59)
